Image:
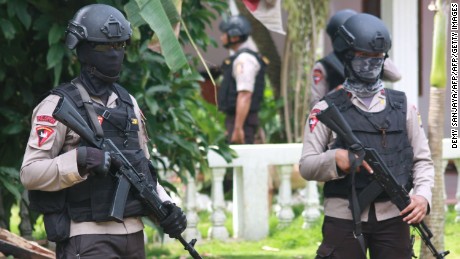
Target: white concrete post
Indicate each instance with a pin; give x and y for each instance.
(192, 216)
(286, 214)
(312, 206)
(250, 198)
(217, 229)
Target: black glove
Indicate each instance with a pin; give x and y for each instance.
(93, 160)
(176, 222)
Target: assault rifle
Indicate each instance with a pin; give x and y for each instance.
(333, 119)
(127, 175)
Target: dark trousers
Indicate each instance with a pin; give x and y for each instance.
(384, 239)
(251, 124)
(129, 246)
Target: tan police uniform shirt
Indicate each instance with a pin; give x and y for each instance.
(320, 85)
(50, 162)
(245, 68)
(318, 163)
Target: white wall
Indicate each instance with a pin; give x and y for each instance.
(401, 18)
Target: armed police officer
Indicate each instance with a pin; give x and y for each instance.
(328, 73)
(70, 182)
(241, 92)
(381, 119)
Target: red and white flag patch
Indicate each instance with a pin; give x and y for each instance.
(317, 76)
(43, 133)
(312, 120)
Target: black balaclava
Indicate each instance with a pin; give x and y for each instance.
(363, 75)
(99, 69)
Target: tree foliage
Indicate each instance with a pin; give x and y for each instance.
(34, 59)
(305, 20)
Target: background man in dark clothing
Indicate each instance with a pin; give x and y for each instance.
(241, 92)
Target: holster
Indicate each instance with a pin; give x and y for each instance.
(57, 226)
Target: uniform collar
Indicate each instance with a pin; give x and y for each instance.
(111, 101)
(378, 98)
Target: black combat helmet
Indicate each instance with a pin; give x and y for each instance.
(97, 23)
(236, 25)
(337, 20)
(362, 32)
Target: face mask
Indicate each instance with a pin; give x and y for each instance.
(367, 69)
(108, 63)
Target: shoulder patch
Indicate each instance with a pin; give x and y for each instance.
(46, 118)
(419, 120)
(239, 68)
(43, 133)
(312, 120)
(317, 76)
(265, 60)
(419, 117)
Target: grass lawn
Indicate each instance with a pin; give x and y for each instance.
(291, 242)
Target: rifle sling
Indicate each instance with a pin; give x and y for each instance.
(89, 108)
(355, 162)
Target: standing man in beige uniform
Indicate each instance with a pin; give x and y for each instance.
(381, 119)
(328, 73)
(241, 92)
(71, 183)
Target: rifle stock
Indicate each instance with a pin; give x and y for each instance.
(127, 175)
(333, 119)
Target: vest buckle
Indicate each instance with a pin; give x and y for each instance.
(106, 114)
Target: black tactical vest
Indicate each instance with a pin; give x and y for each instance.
(335, 70)
(385, 131)
(227, 94)
(91, 199)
